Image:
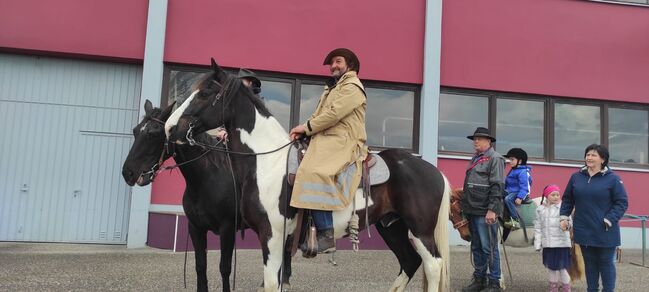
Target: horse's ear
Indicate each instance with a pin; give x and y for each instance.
(219, 74)
(148, 107)
(167, 111)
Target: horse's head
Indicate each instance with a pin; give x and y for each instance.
(147, 150)
(459, 222)
(208, 107)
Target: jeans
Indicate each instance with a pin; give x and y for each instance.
(599, 261)
(323, 219)
(484, 248)
(511, 205)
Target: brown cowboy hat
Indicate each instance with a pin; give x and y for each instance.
(482, 132)
(351, 58)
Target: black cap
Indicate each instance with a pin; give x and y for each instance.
(351, 59)
(247, 74)
(482, 132)
(517, 153)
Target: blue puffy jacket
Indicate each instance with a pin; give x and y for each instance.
(519, 181)
(594, 199)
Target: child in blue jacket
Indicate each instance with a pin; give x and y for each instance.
(517, 184)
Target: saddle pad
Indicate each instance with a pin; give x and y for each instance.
(379, 173)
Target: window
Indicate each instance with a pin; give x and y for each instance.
(519, 123)
(554, 129)
(575, 127)
(628, 137)
(459, 116)
(391, 108)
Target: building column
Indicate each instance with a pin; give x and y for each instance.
(429, 110)
(151, 88)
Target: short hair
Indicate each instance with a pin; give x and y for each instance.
(601, 150)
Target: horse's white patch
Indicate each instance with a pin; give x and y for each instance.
(144, 127)
(400, 283)
(175, 116)
(267, 135)
(432, 265)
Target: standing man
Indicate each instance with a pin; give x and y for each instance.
(483, 204)
(330, 172)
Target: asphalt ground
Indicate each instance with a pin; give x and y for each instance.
(87, 267)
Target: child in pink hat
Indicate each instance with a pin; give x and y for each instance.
(549, 237)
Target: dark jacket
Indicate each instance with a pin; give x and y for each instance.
(483, 184)
(519, 181)
(594, 199)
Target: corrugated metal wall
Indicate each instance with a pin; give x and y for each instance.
(65, 131)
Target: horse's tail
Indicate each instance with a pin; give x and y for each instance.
(441, 237)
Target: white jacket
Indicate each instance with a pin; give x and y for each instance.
(547, 229)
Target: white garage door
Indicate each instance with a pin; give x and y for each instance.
(65, 131)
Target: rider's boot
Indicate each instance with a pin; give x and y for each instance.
(326, 241)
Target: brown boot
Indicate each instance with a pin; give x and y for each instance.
(326, 241)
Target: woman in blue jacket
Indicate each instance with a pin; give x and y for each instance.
(597, 196)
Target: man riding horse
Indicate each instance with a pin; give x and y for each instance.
(330, 172)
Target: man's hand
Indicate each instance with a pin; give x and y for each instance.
(222, 135)
(518, 201)
(296, 132)
(490, 218)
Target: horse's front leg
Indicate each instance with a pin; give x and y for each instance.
(272, 251)
(227, 236)
(199, 241)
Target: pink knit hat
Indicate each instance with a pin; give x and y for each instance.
(549, 189)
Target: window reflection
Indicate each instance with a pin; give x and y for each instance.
(180, 85)
(519, 123)
(575, 127)
(627, 136)
(459, 116)
(388, 119)
(277, 97)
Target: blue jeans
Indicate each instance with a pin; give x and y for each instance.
(484, 248)
(323, 219)
(511, 205)
(599, 261)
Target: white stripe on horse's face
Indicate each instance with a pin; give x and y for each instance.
(175, 116)
(144, 127)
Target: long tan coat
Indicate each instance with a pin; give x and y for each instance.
(330, 172)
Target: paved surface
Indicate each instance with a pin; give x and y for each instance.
(75, 267)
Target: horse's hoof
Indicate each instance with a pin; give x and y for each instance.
(286, 287)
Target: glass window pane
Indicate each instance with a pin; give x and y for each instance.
(519, 123)
(309, 97)
(277, 97)
(180, 85)
(389, 117)
(459, 116)
(575, 127)
(628, 135)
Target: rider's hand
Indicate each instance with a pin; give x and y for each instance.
(296, 132)
(222, 135)
(490, 218)
(518, 201)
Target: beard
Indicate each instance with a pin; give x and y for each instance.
(337, 73)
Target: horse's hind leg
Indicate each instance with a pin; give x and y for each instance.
(199, 241)
(396, 237)
(227, 237)
(432, 264)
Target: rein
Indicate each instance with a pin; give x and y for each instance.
(193, 142)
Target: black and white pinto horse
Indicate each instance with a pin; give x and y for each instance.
(416, 191)
(209, 199)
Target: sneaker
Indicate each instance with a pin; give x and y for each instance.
(476, 285)
(512, 224)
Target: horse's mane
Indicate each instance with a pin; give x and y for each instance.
(208, 87)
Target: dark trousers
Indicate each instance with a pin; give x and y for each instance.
(599, 262)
